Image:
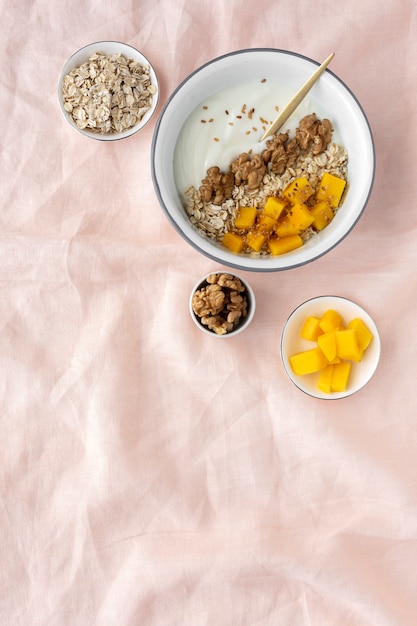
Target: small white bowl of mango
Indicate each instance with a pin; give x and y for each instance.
(330, 347)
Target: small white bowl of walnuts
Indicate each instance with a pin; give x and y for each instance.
(108, 90)
(222, 304)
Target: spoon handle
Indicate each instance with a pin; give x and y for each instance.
(296, 99)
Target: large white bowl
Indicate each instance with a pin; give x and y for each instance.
(108, 48)
(329, 97)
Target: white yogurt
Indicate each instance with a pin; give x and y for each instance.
(221, 128)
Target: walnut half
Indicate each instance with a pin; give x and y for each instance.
(217, 186)
(221, 303)
(319, 132)
(248, 170)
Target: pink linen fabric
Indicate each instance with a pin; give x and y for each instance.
(152, 476)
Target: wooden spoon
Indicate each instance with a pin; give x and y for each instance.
(297, 98)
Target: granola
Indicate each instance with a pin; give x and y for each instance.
(212, 208)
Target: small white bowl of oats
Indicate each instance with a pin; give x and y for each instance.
(262, 205)
(222, 304)
(108, 90)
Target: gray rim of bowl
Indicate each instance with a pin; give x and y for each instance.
(98, 137)
(281, 350)
(156, 184)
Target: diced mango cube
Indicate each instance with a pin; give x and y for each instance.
(274, 207)
(330, 320)
(335, 360)
(334, 350)
(255, 241)
(340, 376)
(310, 330)
(281, 245)
(245, 217)
(322, 213)
(327, 344)
(334, 377)
(363, 333)
(325, 379)
(284, 227)
(234, 242)
(300, 216)
(299, 190)
(308, 362)
(265, 224)
(331, 189)
(347, 345)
